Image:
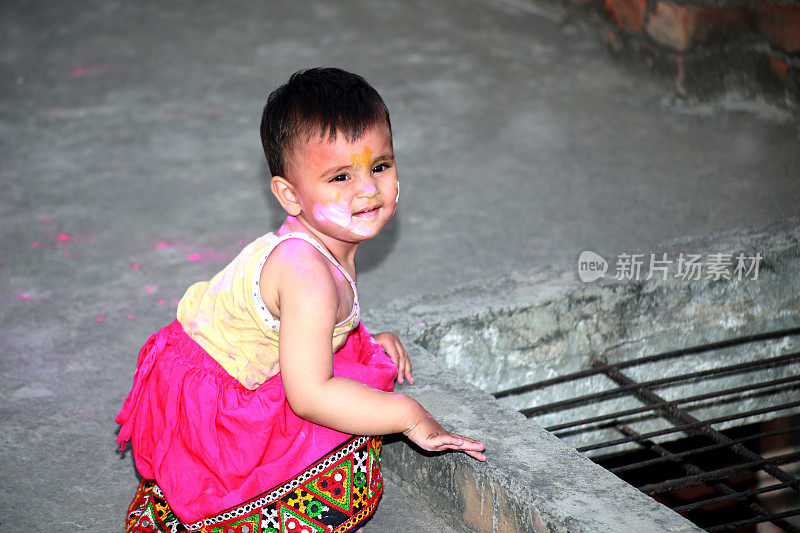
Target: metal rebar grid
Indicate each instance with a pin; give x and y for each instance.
(702, 449)
(774, 518)
(690, 426)
(651, 359)
(793, 380)
(724, 488)
(689, 468)
(688, 377)
(730, 497)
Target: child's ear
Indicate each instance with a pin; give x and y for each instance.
(286, 195)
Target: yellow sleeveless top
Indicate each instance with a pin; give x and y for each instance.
(228, 319)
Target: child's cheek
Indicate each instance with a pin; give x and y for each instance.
(334, 212)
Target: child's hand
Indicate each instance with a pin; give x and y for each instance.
(429, 435)
(394, 349)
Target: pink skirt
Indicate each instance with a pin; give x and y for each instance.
(208, 442)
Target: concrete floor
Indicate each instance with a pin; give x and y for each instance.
(130, 166)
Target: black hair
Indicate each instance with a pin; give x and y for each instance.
(318, 100)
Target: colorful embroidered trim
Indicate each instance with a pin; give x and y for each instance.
(334, 495)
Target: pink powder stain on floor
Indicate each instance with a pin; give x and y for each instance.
(100, 319)
(64, 239)
(130, 317)
(149, 289)
(162, 245)
(24, 296)
(195, 257)
(136, 266)
(84, 70)
(160, 301)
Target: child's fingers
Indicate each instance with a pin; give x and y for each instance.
(409, 374)
(401, 362)
(456, 443)
(471, 447)
(444, 441)
(461, 442)
(467, 443)
(400, 358)
(476, 455)
(452, 441)
(429, 435)
(394, 349)
(407, 369)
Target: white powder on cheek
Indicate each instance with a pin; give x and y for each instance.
(334, 212)
(357, 231)
(355, 223)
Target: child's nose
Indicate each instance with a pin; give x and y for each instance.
(367, 186)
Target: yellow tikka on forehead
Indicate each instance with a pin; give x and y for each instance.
(362, 159)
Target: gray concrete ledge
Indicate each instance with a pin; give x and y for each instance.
(610, 318)
(532, 480)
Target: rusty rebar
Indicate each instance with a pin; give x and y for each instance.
(651, 359)
(677, 416)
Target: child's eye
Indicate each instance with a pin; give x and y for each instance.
(380, 168)
(340, 177)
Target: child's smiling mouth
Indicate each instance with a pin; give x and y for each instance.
(368, 212)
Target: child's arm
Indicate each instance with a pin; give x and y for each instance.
(428, 428)
(308, 301)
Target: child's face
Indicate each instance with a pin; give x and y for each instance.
(346, 190)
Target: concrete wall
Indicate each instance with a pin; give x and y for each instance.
(708, 46)
(535, 325)
(531, 482)
(525, 327)
(496, 343)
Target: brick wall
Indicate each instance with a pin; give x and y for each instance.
(707, 46)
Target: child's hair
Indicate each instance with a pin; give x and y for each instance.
(318, 100)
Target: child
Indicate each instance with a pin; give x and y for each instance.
(240, 418)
